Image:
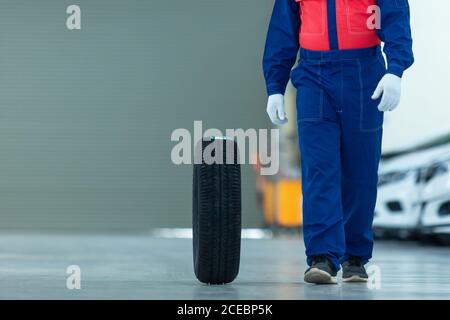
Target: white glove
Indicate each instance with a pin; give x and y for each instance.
(275, 109)
(390, 87)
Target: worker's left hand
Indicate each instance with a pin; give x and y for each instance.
(390, 87)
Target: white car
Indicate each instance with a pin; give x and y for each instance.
(435, 197)
(402, 182)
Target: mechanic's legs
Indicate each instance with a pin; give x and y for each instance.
(360, 154)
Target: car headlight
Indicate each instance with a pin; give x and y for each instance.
(435, 170)
(392, 177)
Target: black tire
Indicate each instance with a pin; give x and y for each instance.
(217, 217)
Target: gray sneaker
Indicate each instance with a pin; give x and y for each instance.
(353, 270)
(321, 271)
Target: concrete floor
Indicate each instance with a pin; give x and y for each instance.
(141, 267)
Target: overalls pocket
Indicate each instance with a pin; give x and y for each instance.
(358, 15)
(371, 71)
(371, 119)
(313, 8)
(310, 94)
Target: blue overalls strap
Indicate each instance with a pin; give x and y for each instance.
(332, 25)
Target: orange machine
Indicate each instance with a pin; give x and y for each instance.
(280, 201)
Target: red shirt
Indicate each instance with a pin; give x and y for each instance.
(346, 21)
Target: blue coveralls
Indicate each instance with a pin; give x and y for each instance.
(339, 125)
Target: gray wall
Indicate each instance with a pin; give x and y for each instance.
(86, 116)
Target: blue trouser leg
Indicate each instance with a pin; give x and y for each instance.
(360, 153)
(322, 213)
(319, 138)
(359, 190)
(340, 132)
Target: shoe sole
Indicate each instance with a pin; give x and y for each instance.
(354, 279)
(318, 276)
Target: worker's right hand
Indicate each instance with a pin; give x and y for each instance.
(275, 109)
